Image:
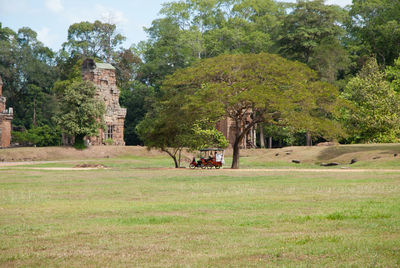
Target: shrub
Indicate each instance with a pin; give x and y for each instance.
(109, 141)
(40, 136)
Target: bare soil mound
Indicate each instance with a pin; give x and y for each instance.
(90, 166)
(341, 154)
(70, 153)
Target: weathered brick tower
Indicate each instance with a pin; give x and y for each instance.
(103, 76)
(6, 115)
(228, 128)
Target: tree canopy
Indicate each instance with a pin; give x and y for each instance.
(375, 115)
(375, 28)
(171, 129)
(81, 114)
(93, 40)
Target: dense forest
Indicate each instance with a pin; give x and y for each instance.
(354, 50)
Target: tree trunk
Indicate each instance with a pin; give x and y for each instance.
(34, 112)
(175, 161)
(308, 139)
(180, 151)
(238, 139)
(236, 154)
(262, 137)
(270, 142)
(173, 156)
(79, 142)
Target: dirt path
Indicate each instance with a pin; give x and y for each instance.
(10, 164)
(4, 165)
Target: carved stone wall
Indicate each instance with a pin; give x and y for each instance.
(103, 76)
(6, 115)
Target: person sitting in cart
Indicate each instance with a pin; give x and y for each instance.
(219, 157)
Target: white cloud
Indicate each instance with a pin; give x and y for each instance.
(111, 15)
(99, 12)
(9, 7)
(341, 3)
(54, 5)
(46, 37)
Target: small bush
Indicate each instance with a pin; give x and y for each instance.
(79, 143)
(109, 141)
(40, 136)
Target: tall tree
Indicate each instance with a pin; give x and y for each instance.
(374, 116)
(309, 25)
(138, 98)
(165, 52)
(127, 65)
(194, 29)
(374, 26)
(28, 70)
(93, 40)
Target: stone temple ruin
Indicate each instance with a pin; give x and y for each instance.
(6, 115)
(103, 77)
(228, 128)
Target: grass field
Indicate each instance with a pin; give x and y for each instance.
(138, 213)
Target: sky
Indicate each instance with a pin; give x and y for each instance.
(51, 18)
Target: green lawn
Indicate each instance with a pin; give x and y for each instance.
(134, 214)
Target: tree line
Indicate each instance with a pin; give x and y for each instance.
(353, 50)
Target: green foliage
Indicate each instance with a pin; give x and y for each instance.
(170, 130)
(28, 73)
(285, 135)
(194, 29)
(393, 75)
(93, 40)
(330, 59)
(126, 65)
(203, 135)
(39, 136)
(138, 99)
(109, 141)
(79, 142)
(375, 28)
(166, 51)
(309, 25)
(374, 116)
(80, 112)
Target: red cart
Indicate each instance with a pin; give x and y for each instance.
(210, 157)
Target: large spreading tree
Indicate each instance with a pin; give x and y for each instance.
(267, 87)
